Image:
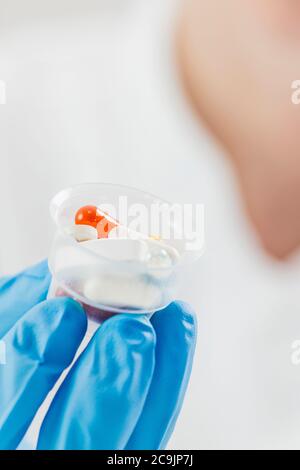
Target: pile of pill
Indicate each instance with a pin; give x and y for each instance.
(98, 232)
(105, 236)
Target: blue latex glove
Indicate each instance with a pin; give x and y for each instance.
(124, 392)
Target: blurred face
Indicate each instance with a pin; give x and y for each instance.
(238, 61)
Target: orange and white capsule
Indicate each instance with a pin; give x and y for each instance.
(96, 218)
(82, 233)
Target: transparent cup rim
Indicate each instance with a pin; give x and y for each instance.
(57, 204)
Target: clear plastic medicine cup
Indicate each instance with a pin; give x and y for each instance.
(104, 284)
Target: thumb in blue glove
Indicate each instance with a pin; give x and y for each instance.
(36, 350)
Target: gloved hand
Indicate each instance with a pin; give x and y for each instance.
(124, 392)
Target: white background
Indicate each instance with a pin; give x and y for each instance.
(92, 96)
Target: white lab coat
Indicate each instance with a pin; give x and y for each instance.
(92, 95)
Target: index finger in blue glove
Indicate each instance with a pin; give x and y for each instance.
(38, 348)
(99, 403)
(175, 329)
(21, 292)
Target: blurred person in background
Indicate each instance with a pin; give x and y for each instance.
(239, 65)
(94, 93)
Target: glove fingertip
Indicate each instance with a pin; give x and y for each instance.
(66, 310)
(134, 329)
(183, 308)
(177, 315)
